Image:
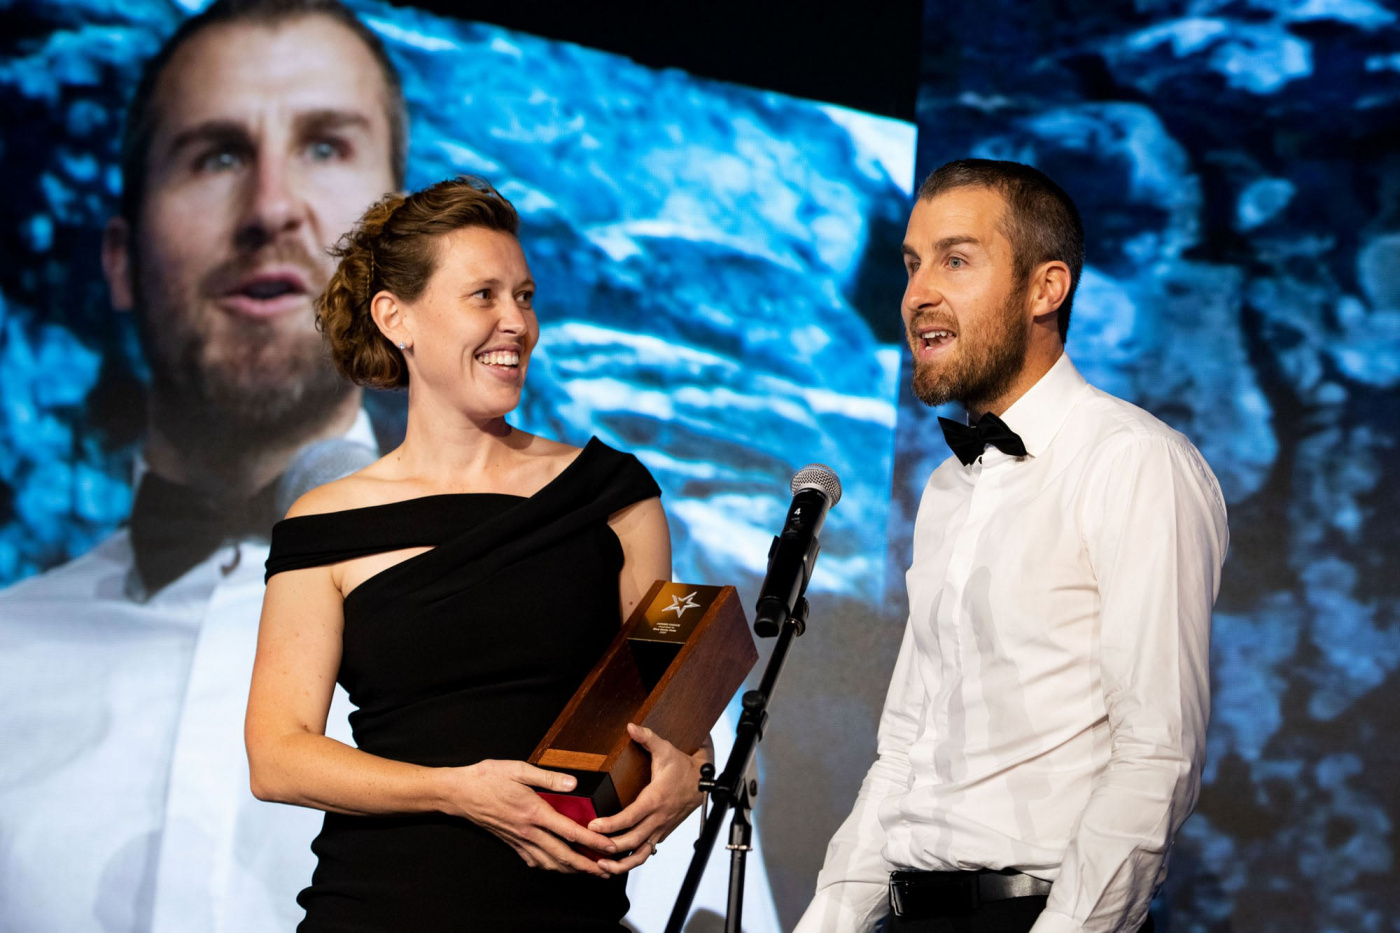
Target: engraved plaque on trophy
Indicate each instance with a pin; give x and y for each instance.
(673, 667)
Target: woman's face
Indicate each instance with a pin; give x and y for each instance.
(474, 326)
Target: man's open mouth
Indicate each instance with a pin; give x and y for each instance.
(936, 338)
(267, 292)
(269, 288)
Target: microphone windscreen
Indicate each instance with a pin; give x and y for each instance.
(321, 463)
(818, 476)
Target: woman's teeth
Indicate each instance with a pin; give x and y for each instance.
(500, 358)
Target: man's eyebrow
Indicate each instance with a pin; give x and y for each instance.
(232, 131)
(327, 119)
(942, 246)
(948, 242)
(225, 131)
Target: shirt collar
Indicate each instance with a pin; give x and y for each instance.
(137, 588)
(361, 432)
(1038, 414)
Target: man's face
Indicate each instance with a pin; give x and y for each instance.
(964, 310)
(270, 141)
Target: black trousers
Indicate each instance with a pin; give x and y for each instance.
(1013, 915)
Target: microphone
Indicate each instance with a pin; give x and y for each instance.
(815, 489)
(318, 464)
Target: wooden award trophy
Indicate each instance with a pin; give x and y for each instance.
(673, 667)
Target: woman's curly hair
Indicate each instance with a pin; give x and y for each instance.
(393, 248)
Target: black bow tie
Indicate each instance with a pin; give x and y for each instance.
(173, 527)
(968, 441)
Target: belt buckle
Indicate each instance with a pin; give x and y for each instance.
(898, 907)
(973, 892)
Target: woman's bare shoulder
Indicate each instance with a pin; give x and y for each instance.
(544, 458)
(360, 489)
(534, 445)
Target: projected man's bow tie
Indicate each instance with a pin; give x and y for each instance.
(174, 527)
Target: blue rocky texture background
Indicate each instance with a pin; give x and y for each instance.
(701, 248)
(718, 292)
(1235, 163)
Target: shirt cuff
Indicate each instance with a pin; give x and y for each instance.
(849, 907)
(1049, 922)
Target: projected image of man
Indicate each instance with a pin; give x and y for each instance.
(257, 135)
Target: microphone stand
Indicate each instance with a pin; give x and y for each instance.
(736, 788)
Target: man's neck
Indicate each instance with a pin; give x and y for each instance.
(228, 460)
(1038, 362)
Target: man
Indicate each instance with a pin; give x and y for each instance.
(1042, 737)
(257, 136)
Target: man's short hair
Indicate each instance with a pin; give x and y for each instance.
(141, 116)
(1040, 220)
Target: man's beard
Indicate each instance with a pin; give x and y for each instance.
(269, 390)
(980, 373)
(257, 387)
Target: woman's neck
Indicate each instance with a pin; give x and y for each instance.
(445, 449)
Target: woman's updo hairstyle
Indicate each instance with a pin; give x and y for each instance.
(393, 248)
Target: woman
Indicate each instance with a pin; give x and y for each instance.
(459, 588)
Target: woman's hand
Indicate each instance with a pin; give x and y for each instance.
(671, 795)
(500, 796)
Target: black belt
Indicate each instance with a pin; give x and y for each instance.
(918, 894)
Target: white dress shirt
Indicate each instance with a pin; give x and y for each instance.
(124, 795)
(1048, 709)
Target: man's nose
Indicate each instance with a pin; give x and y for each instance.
(272, 204)
(920, 292)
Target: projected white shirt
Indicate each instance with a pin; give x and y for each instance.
(124, 799)
(124, 796)
(1048, 709)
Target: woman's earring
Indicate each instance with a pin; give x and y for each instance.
(401, 345)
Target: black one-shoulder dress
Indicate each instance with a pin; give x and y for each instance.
(464, 653)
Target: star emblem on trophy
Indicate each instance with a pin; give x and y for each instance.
(679, 604)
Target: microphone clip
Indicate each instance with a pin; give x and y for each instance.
(765, 628)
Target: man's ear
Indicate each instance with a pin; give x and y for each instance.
(116, 264)
(1049, 288)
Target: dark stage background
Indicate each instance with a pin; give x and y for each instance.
(1237, 171)
(717, 249)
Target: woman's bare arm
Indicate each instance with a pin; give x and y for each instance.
(291, 760)
(672, 792)
(646, 550)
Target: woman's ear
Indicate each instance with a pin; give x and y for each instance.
(389, 317)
